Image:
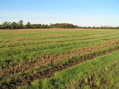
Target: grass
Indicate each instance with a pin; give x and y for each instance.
(26, 45)
(103, 71)
(43, 49)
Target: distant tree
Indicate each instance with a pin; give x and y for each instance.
(20, 23)
(0, 26)
(5, 25)
(14, 25)
(63, 25)
(28, 25)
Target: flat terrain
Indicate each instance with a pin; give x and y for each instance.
(59, 59)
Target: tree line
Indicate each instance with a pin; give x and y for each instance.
(20, 25)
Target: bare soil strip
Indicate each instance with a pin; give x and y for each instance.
(51, 59)
(26, 79)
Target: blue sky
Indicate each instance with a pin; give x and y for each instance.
(80, 12)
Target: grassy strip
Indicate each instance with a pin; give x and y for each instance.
(30, 50)
(51, 61)
(25, 78)
(77, 76)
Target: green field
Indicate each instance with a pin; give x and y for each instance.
(59, 59)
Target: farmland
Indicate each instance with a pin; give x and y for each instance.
(59, 59)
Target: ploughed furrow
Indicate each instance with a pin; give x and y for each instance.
(52, 59)
(26, 79)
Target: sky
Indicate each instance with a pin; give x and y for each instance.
(79, 12)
